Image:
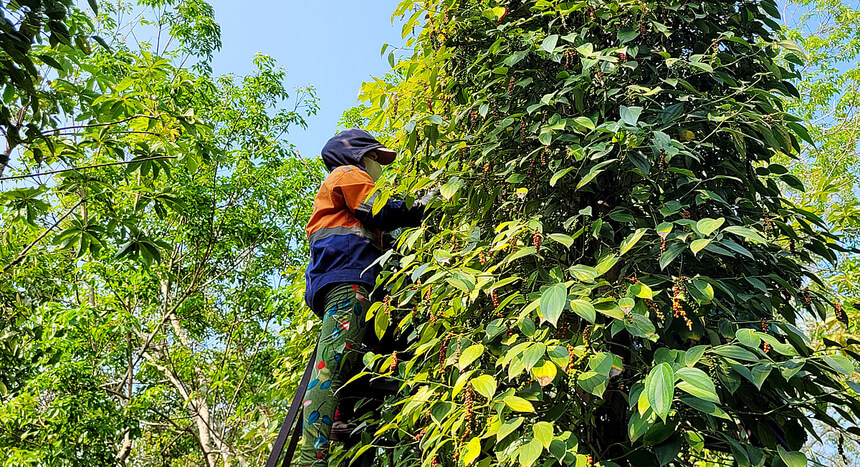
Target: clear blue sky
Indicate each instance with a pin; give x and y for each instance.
(333, 45)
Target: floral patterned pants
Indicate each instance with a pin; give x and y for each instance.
(343, 328)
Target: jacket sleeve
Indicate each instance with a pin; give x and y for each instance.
(357, 186)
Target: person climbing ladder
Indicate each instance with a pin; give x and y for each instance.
(345, 239)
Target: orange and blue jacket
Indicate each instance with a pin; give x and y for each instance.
(345, 237)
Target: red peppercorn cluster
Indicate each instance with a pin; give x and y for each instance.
(394, 103)
(386, 304)
(420, 435)
(536, 241)
(686, 214)
(443, 350)
(586, 337)
(807, 298)
(511, 86)
(394, 362)
(473, 115)
(495, 297)
(838, 311)
(622, 57)
(589, 459)
(482, 258)
(765, 327)
(655, 310)
(567, 60)
(677, 308)
(543, 155)
(434, 463)
(430, 104)
(470, 410)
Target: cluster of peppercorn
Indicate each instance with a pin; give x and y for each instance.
(443, 352)
(679, 291)
(765, 327)
(469, 418)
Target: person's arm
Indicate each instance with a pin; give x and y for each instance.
(357, 186)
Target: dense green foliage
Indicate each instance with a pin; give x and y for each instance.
(141, 237)
(152, 244)
(617, 274)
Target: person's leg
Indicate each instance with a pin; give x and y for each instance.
(343, 328)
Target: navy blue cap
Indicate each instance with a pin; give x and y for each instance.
(349, 146)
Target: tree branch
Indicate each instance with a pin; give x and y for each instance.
(107, 164)
(26, 250)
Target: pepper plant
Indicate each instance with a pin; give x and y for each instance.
(614, 277)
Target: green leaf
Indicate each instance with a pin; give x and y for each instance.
(584, 309)
(472, 450)
(699, 245)
(659, 388)
(593, 383)
(518, 404)
(584, 122)
(543, 432)
(630, 115)
(552, 302)
(735, 352)
(565, 240)
(530, 452)
(469, 355)
(593, 173)
(702, 291)
(671, 253)
(694, 354)
(792, 459)
(380, 324)
(664, 229)
(627, 34)
(549, 43)
(760, 373)
(584, 273)
(485, 385)
(632, 240)
(508, 427)
(94, 5)
(746, 233)
(697, 383)
(839, 363)
(557, 176)
(707, 226)
(451, 188)
(748, 337)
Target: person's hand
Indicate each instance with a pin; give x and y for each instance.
(428, 197)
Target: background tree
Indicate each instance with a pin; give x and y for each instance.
(617, 276)
(150, 304)
(828, 103)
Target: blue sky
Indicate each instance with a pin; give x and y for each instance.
(333, 45)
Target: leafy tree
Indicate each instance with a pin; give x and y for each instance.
(827, 31)
(151, 238)
(617, 276)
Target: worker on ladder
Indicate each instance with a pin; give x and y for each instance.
(345, 239)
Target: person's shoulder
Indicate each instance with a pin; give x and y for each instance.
(349, 173)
